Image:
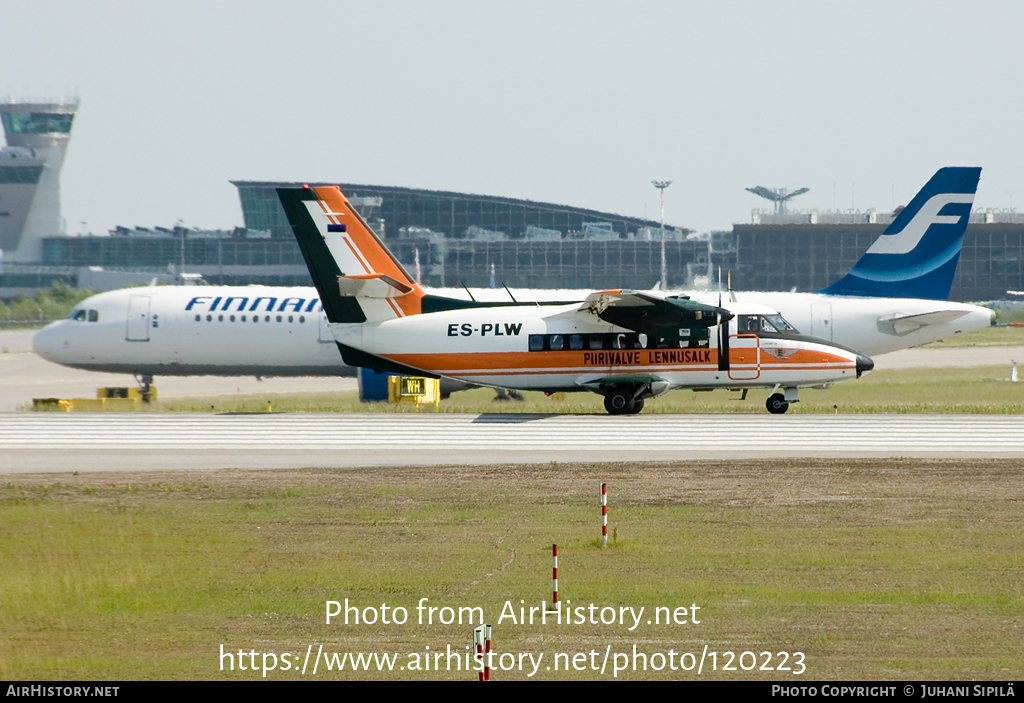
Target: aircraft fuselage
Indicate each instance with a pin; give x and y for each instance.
(541, 349)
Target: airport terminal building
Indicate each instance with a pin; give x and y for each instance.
(443, 239)
(453, 239)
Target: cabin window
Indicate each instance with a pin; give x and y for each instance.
(607, 340)
(278, 318)
(289, 318)
(302, 318)
(220, 318)
(267, 318)
(232, 318)
(197, 318)
(243, 318)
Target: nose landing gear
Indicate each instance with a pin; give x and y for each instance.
(777, 404)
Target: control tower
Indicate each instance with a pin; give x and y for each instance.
(37, 134)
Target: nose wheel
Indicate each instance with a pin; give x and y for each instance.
(777, 404)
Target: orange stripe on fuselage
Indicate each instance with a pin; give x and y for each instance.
(613, 361)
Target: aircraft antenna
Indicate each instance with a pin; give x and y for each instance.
(468, 291)
(509, 292)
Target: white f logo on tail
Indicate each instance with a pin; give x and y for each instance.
(907, 239)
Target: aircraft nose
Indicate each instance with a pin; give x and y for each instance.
(864, 364)
(49, 341)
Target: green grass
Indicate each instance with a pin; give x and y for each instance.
(988, 337)
(874, 569)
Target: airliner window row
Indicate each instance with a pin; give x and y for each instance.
(255, 318)
(611, 340)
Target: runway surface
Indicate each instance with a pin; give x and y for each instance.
(116, 442)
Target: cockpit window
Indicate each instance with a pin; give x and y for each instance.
(764, 323)
(94, 316)
(77, 315)
(780, 323)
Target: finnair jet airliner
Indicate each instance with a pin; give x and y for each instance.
(890, 300)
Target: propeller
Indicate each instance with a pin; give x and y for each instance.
(723, 340)
(723, 329)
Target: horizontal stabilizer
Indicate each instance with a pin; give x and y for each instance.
(373, 285)
(900, 325)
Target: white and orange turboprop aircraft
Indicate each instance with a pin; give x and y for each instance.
(625, 345)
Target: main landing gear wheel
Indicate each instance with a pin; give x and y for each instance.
(777, 404)
(621, 402)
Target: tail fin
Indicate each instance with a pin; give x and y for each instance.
(916, 256)
(357, 277)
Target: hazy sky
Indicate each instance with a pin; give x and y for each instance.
(578, 103)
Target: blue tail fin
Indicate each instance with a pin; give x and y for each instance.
(916, 256)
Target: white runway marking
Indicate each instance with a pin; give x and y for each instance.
(974, 435)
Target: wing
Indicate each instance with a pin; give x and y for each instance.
(672, 317)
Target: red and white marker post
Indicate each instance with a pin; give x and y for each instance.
(482, 640)
(604, 514)
(554, 574)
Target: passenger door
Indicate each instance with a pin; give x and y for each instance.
(744, 357)
(138, 318)
(821, 321)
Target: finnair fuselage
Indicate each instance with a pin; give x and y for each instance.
(196, 331)
(234, 330)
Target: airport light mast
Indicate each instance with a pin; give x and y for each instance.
(661, 186)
